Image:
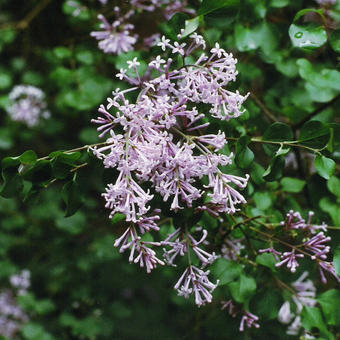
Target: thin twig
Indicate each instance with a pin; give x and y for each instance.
(24, 23)
(84, 147)
(315, 112)
(290, 143)
(263, 107)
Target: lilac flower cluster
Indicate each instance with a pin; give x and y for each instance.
(118, 37)
(304, 296)
(12, 317)
(248, 319)
(314, 245)
(326, 2)
(158, 141)
(193, 280)
(27, 105)
(115, 38)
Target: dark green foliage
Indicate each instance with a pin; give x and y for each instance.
(52, 216)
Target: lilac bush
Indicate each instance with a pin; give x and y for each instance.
(215, 156)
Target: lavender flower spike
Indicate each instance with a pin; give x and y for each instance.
(250, 320)
(201, 286)
(290, 259)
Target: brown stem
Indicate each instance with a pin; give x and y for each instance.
(263, 107)
(24, 23)
(315, 112)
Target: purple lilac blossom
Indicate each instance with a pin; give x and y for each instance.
(12, 317)
(168, 7)
(115, 38)
(326, 2)
(118, 37)
(231, 249)
(155, 140)
(147, 150)
(289, 258)
(249, 320)
(304, 296)
(21, 281)
(27, 105)
(196, 281)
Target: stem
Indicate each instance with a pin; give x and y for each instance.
(79, 167)
(79, 149)
(24, 23)
(271, 237)
(263, 107)
(315, 112)
(291, 143)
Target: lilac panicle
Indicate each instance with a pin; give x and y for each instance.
(12, 317)
(149, 149)
(27, 105)
(195, 280)
(250, 320)
(289, 258)
(272, 251)
(304, 296)
(115, 38)
(156, 142)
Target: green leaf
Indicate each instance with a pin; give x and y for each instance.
(176, 23)
(257, 172)
(336, 260)
(73, 225)
(279, 3)
(308, 37)
(335, 40)
(324, 166)
(319, 77)
(267, 260)
(311, 317)
(72, 197)
(330, 304)
(225, 271)
(39, 173)
(6, 141)
(117, 217)
(267, 304)
(5, 80)
(314, 134)
(62, 52)
(30, 303)
(212, 5)
(332, 208)
(29, 157)
(243, 289)
(290, 184)
(85, 57)
(62, 163)
(277, 132)
(263, 200)
(13, 182)
(246, 39)
(303, 12)
(333, 185)
(244, 156)
(334, 141)
(191, 26)
(34, 331)
(275, 170)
